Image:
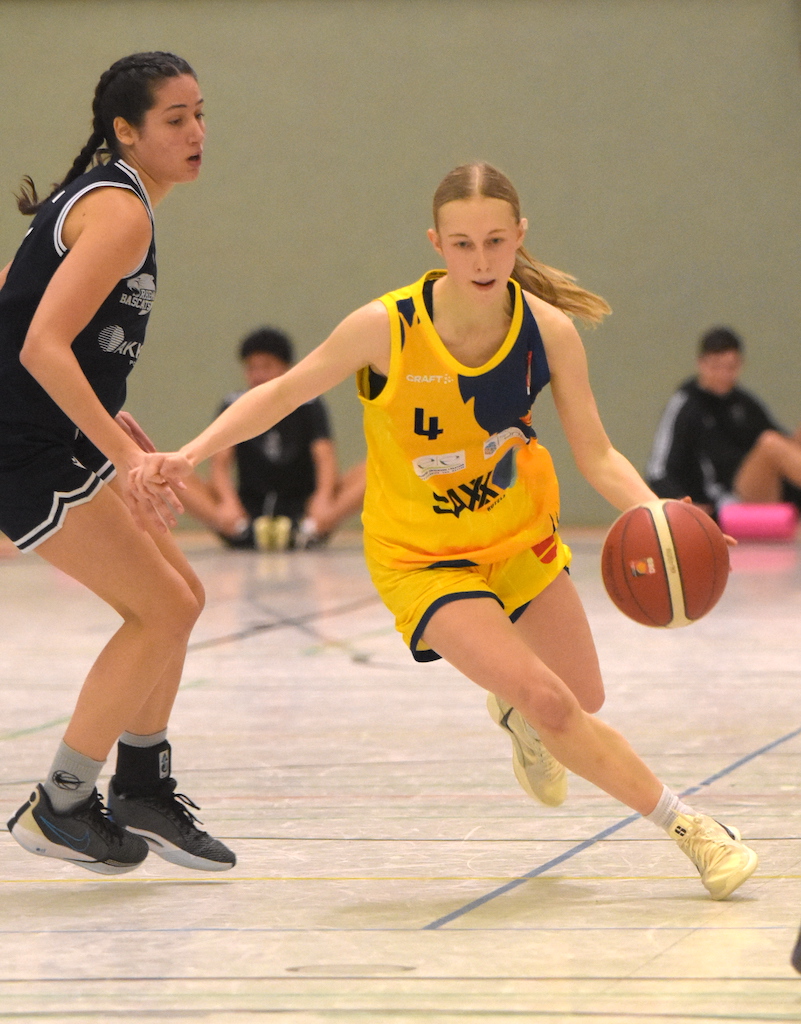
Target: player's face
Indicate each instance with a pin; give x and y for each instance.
(259, 367)
(718, 371)
(167, 148)
(478, 239)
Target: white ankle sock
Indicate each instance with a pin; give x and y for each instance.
(669, 805)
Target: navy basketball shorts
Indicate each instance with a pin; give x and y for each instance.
(41, 479)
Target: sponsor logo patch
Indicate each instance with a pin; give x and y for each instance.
(492, 444)
(436, 465)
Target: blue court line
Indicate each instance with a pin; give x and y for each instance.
(580, 847)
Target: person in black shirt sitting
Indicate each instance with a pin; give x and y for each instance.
(717, 443)
(283, 488)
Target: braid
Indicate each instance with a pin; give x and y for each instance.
(126, 90)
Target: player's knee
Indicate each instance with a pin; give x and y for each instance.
(770, 443)
(172, 609)
(198, 593)
(593, 701)
(553, 708)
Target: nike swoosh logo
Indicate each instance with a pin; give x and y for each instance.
(79, 843)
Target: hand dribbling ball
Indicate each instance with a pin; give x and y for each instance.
(665, 563)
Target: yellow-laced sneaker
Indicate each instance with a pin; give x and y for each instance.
(537, 770)
(722, 860)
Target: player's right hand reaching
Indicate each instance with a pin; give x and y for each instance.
(154, 482)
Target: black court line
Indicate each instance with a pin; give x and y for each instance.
(587, 843)
(297, 621)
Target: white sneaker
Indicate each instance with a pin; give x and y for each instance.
(537, 770)
(722, 860)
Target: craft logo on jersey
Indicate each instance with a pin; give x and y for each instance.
(433, 378)
(140, 294)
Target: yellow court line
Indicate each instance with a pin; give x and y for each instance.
(150, 880)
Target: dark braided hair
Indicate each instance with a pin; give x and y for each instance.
(126, 90)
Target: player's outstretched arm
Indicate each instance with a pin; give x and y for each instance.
(361, 339)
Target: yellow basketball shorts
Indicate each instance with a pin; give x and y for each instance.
(413, 595)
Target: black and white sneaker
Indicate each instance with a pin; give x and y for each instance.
(168, 827)
(85, 836)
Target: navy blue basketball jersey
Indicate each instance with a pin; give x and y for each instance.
(107, 348)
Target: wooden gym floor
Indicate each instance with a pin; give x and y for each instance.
(390, 869)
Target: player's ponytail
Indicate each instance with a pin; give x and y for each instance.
(548, 283)
(127, 90)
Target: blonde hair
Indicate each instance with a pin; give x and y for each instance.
(552, 285)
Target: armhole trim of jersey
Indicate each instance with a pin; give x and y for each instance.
(58, 242)
(389, 303)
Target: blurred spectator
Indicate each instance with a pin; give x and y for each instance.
(283, 488)
(718, 443)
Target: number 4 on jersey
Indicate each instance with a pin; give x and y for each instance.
(432, 431)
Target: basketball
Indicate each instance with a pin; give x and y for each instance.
(665, 563)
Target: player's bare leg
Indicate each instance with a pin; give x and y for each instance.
(477, 638)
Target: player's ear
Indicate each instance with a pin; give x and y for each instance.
(433, 237)
(125, 132)
(522, 227)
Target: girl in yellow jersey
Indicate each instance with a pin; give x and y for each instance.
(462, 502)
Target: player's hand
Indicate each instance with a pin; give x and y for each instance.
(152, 485)
(709, 509)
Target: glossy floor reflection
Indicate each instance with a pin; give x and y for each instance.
(389, 867)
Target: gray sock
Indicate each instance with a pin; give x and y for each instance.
(71, 778)
(133, 739)
(664, 814)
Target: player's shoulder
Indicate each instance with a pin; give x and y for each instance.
(554, 324)
(369, 316)
(558, 332)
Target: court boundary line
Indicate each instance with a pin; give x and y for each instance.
(603, 834)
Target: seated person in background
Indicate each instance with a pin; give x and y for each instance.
(717, 443)
(288, 490)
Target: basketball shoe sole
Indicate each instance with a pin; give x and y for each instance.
(163, 820)
(85, 836)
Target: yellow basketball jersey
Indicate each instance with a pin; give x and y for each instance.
(454, 470)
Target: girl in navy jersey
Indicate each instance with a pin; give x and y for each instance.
(74, 305)
(462, 503)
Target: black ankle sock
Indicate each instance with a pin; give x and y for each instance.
(142, 770)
